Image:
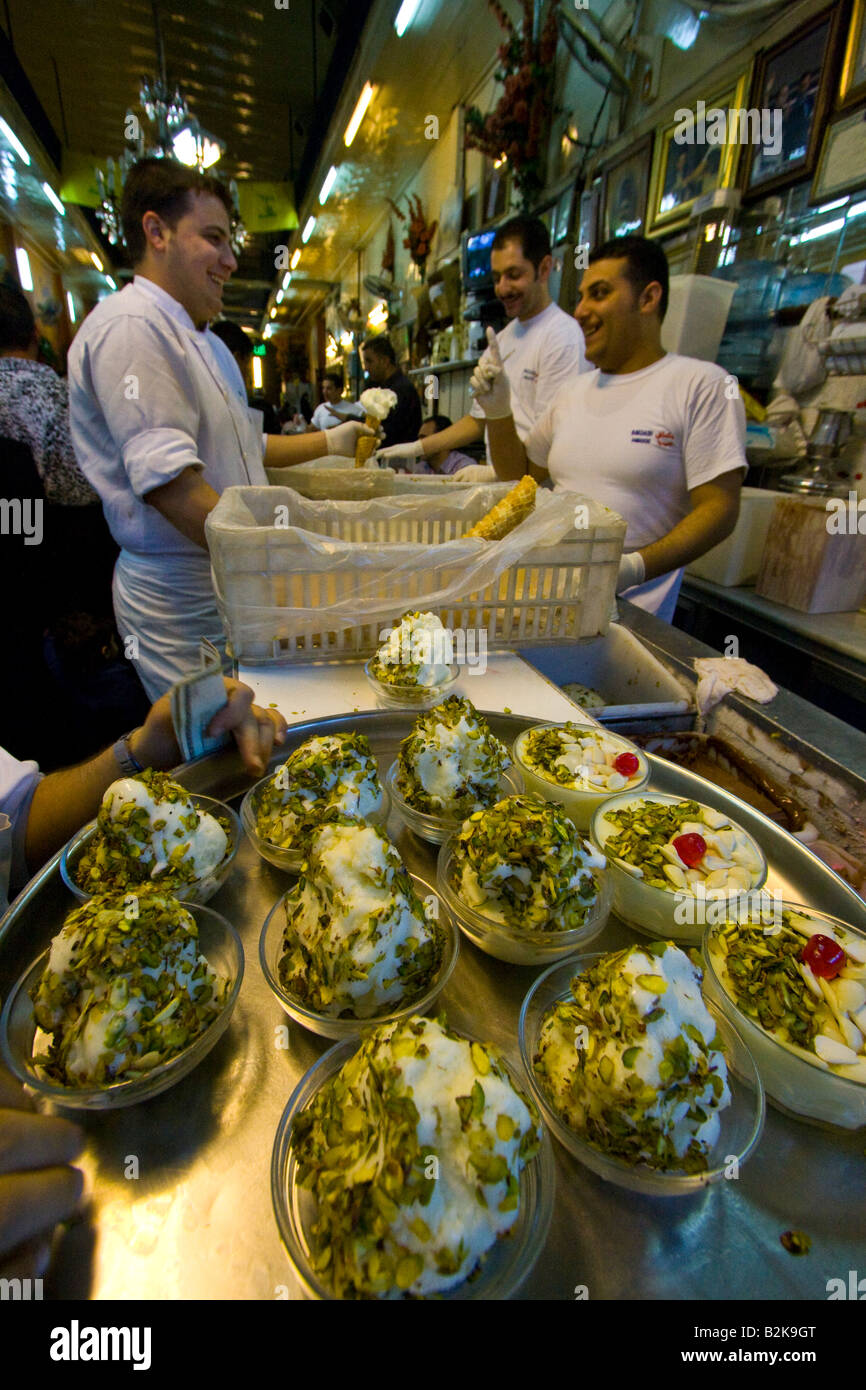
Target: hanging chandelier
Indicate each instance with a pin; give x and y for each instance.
(173, 133)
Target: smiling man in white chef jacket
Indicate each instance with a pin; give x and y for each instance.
(159, 416)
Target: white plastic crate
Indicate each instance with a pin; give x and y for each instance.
(298, 579)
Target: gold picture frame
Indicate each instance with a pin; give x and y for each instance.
(842, 166)
(700, 168)
(852, 84)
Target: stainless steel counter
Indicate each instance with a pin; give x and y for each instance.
(181, 1195)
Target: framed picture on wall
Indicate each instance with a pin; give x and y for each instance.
(852, 86)
(694, 157)
(561, 223)
(793, 83)
(842, 166)
(626, 187)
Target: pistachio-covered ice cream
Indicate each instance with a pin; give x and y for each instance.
(325, 778)
(803, 982)
(633, 1064)
(522, 863)
(148, 828)
(416, 652)
(683, 847)
(451, 763)
(357, 941)
(125, 989)
(413, 1152)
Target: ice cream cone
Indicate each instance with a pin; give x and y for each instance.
(367, 444)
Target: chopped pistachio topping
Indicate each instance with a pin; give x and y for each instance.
(632, 1062)
(122, 996)
(413, 1153)
(357, 942)
(523, 863)
(416, 652)
(451, 763)
(645, 847)
(576, 756)
(148, 829)
(324, 779)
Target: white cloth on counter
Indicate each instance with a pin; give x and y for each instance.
(539, 355)
(18, 782)
(639, 442)
(718, 676)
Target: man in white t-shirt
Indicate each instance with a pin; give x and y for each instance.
(333, 409)
(657, 437)
(541, 347)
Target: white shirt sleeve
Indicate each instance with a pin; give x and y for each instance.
(715, 433)
(140, 377)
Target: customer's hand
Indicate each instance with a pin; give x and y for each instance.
(37, 1187)
(412, 450)
(489, 382)
(343, 438)
(255, 730)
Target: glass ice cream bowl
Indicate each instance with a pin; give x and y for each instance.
(662, 913)
(518, 945)
(339, 1028)
(797, 1081)
(502, 1270)
(199, 890)
(285, 856)
(741, 1123)
(406, 695)
(437, 828)
(579, 798)
(21, 1040)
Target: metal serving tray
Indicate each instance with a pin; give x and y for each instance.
(197, 1221)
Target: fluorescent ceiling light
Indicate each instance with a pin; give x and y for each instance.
(287, 280)
(24, 272)
(16, 144)
(273, 314)
(857, 210)
(358, 114)
(405, 15)
(296, 256)
(96, 261)
(53, 198)
(280, 296)
(831, 207)
(70, 305)
(308, 230)
(257, 374)
(681, 25)
(815, 233)
(328, 184)
(269, 328)
(112, 283)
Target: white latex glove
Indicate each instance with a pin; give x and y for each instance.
(342, 438)
(489, 383)
(632, 570)
(414, 450)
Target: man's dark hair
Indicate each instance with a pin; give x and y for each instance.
(646, 262)
(441, 422)
(336, 379)
(17, 324)
(532, 234)
(233, 336)
(382, 346)
(165, 187)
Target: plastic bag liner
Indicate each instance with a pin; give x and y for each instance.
(285, 566)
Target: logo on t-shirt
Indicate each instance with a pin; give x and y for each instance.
(641, 436)
(529, 374)
(664, 439)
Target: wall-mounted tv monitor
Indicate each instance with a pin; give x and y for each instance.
(476, 249)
